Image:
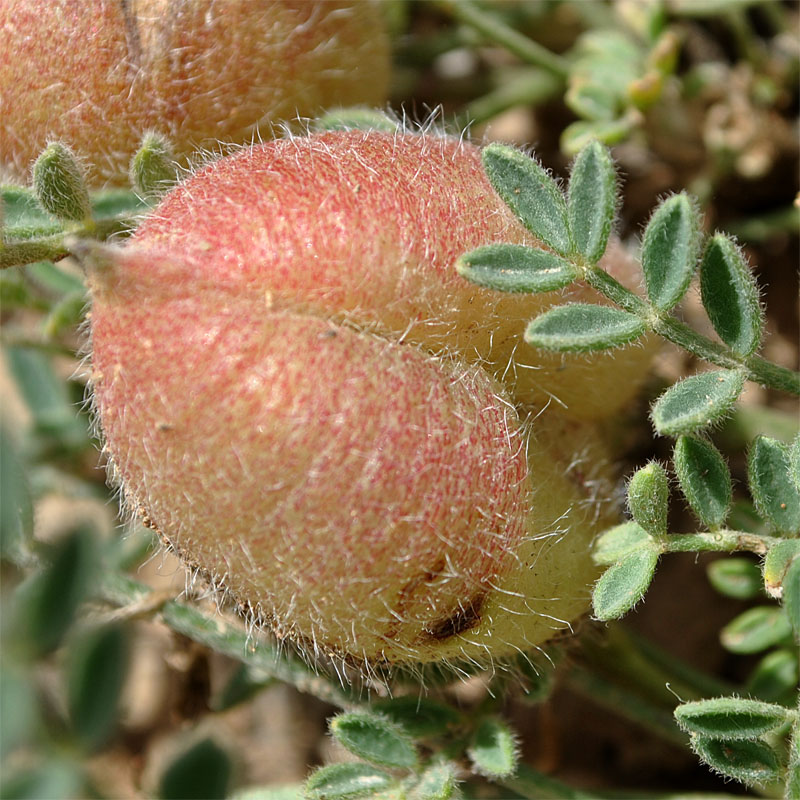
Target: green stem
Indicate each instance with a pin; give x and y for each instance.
(52, 248)
(49, 248)
(643, 669)
(219, 635)
(536, 785)
(761, 227)
(722, 541)
(756, 368)
(666, 668)
(497, 31)
(14, 338)
(627, 703)
(530, 89)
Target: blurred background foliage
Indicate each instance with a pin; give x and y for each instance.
(118, 676)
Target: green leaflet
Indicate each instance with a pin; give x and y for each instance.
(619, 542)
(420, 717)
(515, 268)
(704, 479)
(775, 494)
(44, 606)
(730, 717)
(203, 769)
(648, 498)
(375, 738)
(756, 629)
(16, 508)
(344, 781)
(623, 585)
(356, 119)
(751, 762)
(794, 461)
(736, 577)
(97, 668)
(592, 200)
(493, 750)
(578, 134)
(777, 562)
(696, 402)
(24, 218)
(669, 251)
(730, 295)
(530, 193)
(775, 677)
(791, 595)
(438, 782)
(581, 327)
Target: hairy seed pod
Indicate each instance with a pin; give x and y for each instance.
(197, 71)
(300, 394)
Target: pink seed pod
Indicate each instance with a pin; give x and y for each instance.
(365, 228)
(301, 395)
(97, 75)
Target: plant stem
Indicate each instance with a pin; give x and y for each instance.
(215, 632)
(756, 368)
(530, 89)
(497, 31)
(723, 541)
(643, 668)
(764, 226)
(629, 704)
(536, 785)
(52, 248)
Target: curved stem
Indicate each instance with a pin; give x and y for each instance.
(535, 785)
(215, 632)
(622, 701)
(515, 42)
(531, 89)
(757, 369)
